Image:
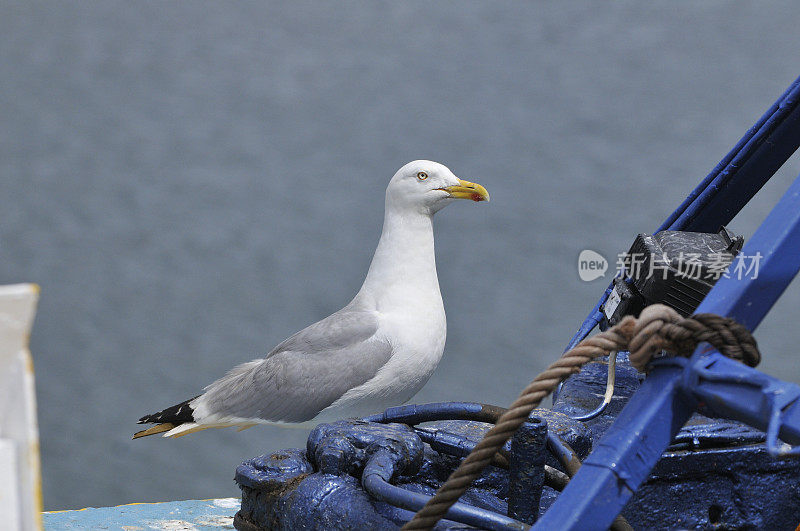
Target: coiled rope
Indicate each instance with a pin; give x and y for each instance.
(658, 328)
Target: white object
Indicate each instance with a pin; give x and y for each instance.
(611, 303)
(20, 477)
(376, 352)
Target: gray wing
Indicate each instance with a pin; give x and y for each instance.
(304, 374)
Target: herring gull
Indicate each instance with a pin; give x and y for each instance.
(374, 353)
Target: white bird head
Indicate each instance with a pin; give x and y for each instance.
(426, 187)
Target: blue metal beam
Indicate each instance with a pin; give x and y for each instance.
(726, 388)
(627, 453)
(733, 182)
(775, 246)
(744, 170)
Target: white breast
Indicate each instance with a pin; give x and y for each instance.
(403, 288)
(417, 331)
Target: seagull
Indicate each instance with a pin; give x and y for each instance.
(374, 353)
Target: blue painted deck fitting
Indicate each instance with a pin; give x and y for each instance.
(200, 515)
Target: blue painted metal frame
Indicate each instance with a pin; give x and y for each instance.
(726, 388)
(763, 149)
(733, 182)
(624, 457)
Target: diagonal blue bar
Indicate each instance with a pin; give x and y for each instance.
(733, 181)
(627, 453)
(775, 247)
(744, 170)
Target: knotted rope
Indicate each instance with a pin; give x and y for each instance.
(658, 328)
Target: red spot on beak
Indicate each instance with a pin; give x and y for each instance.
(477, 197)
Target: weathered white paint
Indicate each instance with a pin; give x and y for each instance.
(20, 477)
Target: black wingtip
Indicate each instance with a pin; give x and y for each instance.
(177, 414)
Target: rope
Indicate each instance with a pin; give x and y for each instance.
(657, 328)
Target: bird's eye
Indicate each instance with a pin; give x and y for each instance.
(421, 175)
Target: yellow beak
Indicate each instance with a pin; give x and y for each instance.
(467, 190)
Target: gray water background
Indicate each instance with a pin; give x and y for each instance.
(191, 182)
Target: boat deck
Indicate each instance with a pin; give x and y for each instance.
(191, 515)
